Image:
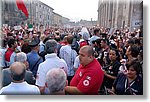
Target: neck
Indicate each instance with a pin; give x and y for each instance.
(105, 47)
(34, 50)
(89, 62)
(12, 48)
(113, 61)
(18, 81)
(132, 78)
(129, 57)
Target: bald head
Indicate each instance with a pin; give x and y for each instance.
(17, 71)
(88, 50)
(86, 55)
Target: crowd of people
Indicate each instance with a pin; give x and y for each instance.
(71, 61)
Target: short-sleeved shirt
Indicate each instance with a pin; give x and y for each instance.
(6, 77)
(121, 85)
(20, 88)
(76, 62)
(10, 56)
(88, 79)
(113, 71)
(32, 58)
(52, 61)
(69, 55)
(2, 57)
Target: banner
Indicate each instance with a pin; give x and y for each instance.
(21, 6)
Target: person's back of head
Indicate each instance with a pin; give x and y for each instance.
(56, 81)
(131, 41)
(134, 50)
(51, 46)
(69, 39)
(26, 48)
(18, 71)
(137, 41)
(20, 57)
(96, 31)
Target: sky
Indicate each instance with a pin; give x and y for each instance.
(75, 10)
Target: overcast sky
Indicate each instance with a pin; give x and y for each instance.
(75, 9)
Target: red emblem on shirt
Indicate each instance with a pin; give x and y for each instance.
(85, 82)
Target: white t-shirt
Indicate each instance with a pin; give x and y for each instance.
(12, 59)
(77, 62)
(20, 88)
(52, 61)
(2, 57)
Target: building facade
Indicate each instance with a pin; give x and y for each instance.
(120, 14)
(65, 21)
(57, 19)
(39, 14)
(10, 13)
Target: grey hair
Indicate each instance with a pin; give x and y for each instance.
(56, 80)
(51, 46)
(20, 57)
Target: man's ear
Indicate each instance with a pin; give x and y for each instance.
(46, 85)
(91, 57)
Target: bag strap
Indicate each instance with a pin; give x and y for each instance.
(35, 64)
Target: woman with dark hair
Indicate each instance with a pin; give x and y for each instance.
(26, 48)
(130, 83)
(111, 71)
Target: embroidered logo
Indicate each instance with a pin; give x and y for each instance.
(80, 74)
(85, 82)
(89, 78)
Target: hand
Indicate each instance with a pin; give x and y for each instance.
(110, 92)
(104, 72)
(120, 49)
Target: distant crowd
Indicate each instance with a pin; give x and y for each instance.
(69, 61)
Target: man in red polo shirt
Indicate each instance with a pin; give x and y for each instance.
(11, 53)
(89, 76)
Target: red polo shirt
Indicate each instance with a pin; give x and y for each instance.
(88, 79)
(8, 54)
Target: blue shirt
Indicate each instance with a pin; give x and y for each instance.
(121, 85)
(32, 58)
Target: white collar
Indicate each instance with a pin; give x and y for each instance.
(22, 83)
(50, 55)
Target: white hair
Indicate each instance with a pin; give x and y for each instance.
(20, 57)
(56, 80)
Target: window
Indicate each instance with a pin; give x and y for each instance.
(48, 17)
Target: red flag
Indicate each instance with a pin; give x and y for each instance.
(22, 7)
